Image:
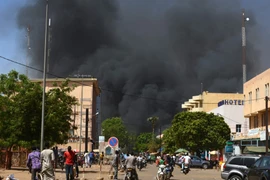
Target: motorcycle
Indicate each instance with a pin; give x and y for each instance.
(164, 172)
(131, 174)
(139, 165)
(61, 162)
(144, 163)
(186, 169)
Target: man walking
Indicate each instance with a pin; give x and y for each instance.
(70, 158)
(115, 164)
(33, 162)
(47, 161)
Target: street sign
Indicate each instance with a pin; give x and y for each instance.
(101, 138)
(113, 141)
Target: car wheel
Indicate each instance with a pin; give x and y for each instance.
(235, 177)
(205, 166)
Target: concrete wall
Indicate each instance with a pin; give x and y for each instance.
(257, 85)
(85, 91)
(209, 101)
(233, 115)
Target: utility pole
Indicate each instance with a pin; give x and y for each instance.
(80, 148)
(266, 124)
(244, 19)
(160, 139)
(86, 130)
(28, 48)
(44, 76)
(49, 44)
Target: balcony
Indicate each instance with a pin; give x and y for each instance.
(192, 101)
(197, 98)
(197, 109)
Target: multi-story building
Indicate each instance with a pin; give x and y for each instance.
(209, 101)
(86, 91)
(232, 112)
(255, 91)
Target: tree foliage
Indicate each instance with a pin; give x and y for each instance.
(114, 127)
(20, 111)
(153, 120)
(143, 141)
(196, 131)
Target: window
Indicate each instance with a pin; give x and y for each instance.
(267, 89)
(265, 162)
(237, 161)
(257, 163)
(250, 97)
(263, 123)
(238, 127)
(257, 94)
(249, 161)
(256, 123)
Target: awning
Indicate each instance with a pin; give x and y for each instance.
(181, 150)
(255, 149)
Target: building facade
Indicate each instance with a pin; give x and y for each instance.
(86, 91)
(232, 112)
(255, 91)
(209, 101)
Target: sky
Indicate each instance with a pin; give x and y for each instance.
(13, 41)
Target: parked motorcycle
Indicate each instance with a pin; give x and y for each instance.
(131, 174)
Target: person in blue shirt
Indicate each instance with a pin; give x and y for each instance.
(34, 163)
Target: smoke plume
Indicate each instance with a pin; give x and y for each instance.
(149, 56)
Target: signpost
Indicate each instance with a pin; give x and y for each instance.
(113, 141)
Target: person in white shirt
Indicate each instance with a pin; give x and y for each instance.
(186, 160)
(47, 161)
(131, 163)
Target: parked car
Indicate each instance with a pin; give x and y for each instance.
(198, 162)
(260, 170)
(236, 167)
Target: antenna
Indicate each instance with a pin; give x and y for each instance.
(201, 88)
(28, 48)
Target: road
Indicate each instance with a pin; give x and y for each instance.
(147, 173)
(150, 171)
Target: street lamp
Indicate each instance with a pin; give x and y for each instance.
(44, 77)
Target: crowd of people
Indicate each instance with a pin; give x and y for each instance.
(45, 162)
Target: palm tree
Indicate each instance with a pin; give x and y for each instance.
(153, 121)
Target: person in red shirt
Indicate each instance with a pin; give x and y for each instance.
(69, 161)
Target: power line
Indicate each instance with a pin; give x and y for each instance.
(110, 90)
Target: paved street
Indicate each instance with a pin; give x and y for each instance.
(146, 174)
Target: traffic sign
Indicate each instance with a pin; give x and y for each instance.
(113, 141)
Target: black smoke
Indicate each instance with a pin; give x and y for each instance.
(149, 56)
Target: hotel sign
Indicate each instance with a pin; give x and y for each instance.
(231, 102)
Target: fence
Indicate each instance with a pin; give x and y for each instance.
(19, 159)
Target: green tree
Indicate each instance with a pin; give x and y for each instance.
(20, 112)
(114, 127)
(169, 142)
(153, 120)
(143, 141)
(197, 131)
